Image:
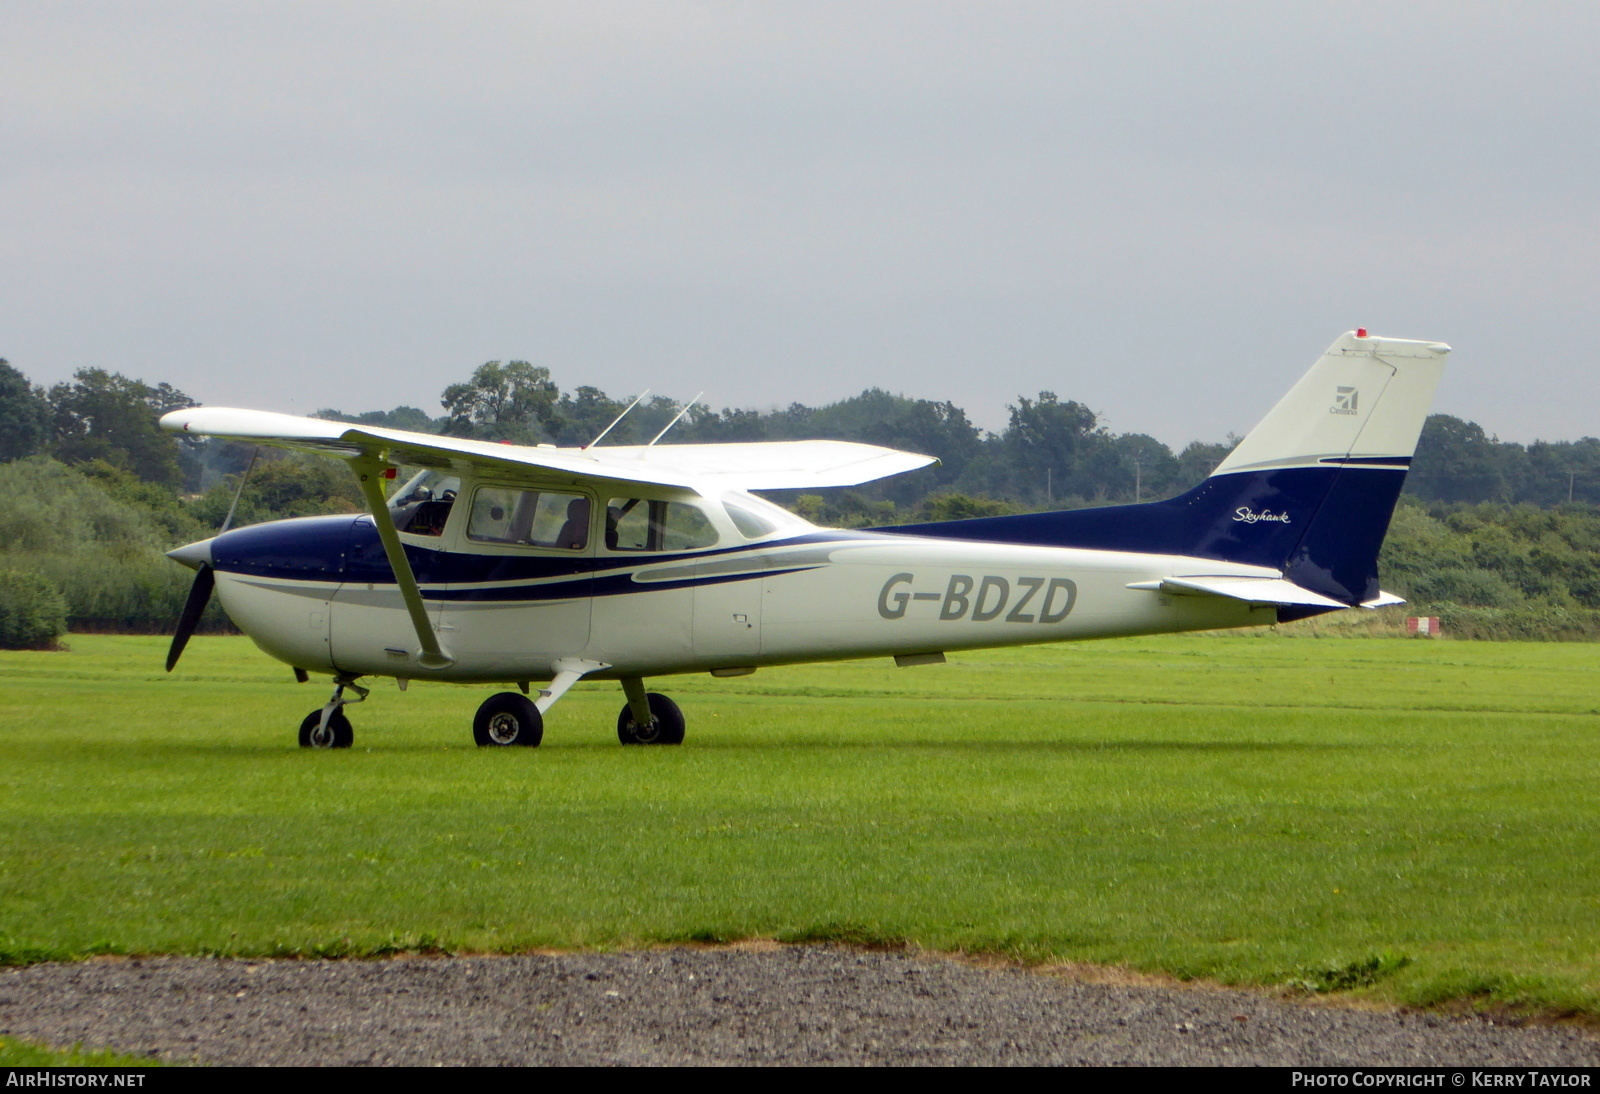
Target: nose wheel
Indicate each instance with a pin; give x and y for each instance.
(327, 726)
(337, 733)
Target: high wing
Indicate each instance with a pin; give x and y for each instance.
(769, 465)
(760, 465)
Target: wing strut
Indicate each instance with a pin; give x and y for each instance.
(370, 472)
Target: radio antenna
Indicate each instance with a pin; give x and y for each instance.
(686, 408)
(617, 419)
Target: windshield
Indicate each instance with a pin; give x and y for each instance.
(425, 485)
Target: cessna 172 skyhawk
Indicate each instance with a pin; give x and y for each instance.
(549, 565)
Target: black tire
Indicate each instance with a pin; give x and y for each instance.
(339, 734)
(507, 719)
(666, 723)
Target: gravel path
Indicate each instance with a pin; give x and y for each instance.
(777, 1005)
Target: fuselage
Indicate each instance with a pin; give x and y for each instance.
(505, 563)
(318, 593)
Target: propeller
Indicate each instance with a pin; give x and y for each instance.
(204, 579)
(199, 597)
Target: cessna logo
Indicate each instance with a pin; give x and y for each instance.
(1247, 515)
(1024, 600)
(1344, 400)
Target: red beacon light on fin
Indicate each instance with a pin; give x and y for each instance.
(1361, 332)
(389, 472)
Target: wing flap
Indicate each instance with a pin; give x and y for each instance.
(759, 465)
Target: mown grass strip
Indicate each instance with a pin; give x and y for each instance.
(15, 1053)
(1197, 807)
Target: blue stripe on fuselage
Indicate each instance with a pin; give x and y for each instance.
(338, 549)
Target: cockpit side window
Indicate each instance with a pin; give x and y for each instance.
(529, 518)
(649, 524)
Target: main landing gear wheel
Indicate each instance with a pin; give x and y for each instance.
(338, 733)
(507, 719)
(665, 728)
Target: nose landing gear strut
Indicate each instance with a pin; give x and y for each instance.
(327, 727)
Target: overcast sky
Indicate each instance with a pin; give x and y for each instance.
(1162, 210)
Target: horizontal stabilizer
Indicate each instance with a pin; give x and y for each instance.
(1383, 600)
(1263, 591)
(756, 465)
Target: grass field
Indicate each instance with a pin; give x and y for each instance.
(14, 1053)
(1413, 820)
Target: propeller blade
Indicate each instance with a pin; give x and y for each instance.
(199, 597)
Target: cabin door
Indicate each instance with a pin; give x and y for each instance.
(519, 590)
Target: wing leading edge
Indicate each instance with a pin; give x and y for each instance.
(757, 465)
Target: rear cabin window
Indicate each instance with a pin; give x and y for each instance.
(646, 524)
(751, 524)
(529, 518)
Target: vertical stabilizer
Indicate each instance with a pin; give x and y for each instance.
(1309, 492)
(1348, 430)
(1363, 402)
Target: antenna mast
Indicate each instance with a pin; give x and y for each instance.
(617, 419)
(686, 408)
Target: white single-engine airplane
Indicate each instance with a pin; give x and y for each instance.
(549, 565)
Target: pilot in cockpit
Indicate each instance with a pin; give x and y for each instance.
(422, 506)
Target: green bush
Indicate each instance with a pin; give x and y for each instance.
(105, 591)
(33, 613)
(99, 540)
(1542, 623)
(1459, 585)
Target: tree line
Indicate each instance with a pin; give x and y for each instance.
(1053, 452)
(92, 490)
